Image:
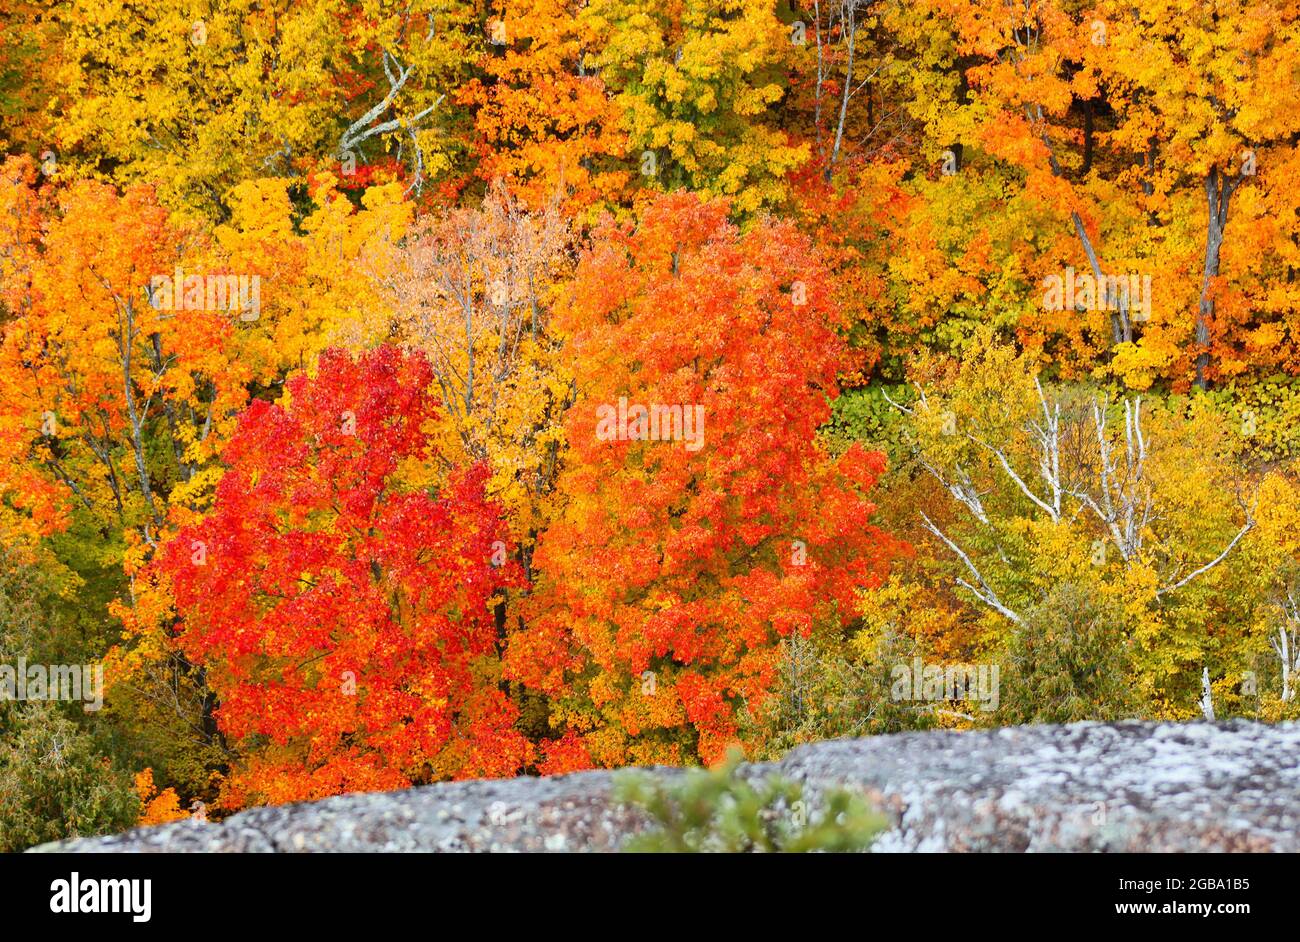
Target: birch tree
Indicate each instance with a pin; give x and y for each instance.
(1034, 468)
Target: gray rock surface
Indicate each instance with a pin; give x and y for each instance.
(1085, 787)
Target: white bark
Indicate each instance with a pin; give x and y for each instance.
(1206, 702)
(984, 592)
(1285, 645)
(1115, 489)
(365, 127)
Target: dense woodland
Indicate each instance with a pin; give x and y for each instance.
(396, 392)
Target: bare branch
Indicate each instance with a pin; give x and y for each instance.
(1250, 525)
(985, 592)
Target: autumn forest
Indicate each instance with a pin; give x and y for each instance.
(401, 392)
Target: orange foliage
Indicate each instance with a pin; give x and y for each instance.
(675, 566)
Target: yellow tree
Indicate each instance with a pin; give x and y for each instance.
(474, 288)
(28, 50)
(697, 82)
(1207, 92)
(1137, 124)
(198, 99)
(1135, 503)
(319, 268)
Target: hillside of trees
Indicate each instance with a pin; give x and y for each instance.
(394, 393)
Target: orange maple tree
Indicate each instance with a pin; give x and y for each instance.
(93, 368)
(688, 546)
(543, 119)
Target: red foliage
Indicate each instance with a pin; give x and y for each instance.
(344, 615)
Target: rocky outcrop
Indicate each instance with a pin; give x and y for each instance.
(1085, 787)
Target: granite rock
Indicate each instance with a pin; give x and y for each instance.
(1132, 786)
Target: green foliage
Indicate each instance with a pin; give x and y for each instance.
(55, 780)
(865, 415)
(723, 811)
(824, 693)
(1266, 415)
(1069, 662)
(53, 783)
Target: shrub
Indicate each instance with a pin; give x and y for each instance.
(54, 785)
(722, 811)
(1069, 662)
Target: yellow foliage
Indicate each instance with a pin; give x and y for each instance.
(158, 807)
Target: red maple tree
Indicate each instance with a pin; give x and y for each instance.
(341, 610)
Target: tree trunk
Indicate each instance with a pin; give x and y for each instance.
(1218, 194)
(850, 16)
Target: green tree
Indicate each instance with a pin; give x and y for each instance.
(1069, 662)
(53, 782)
